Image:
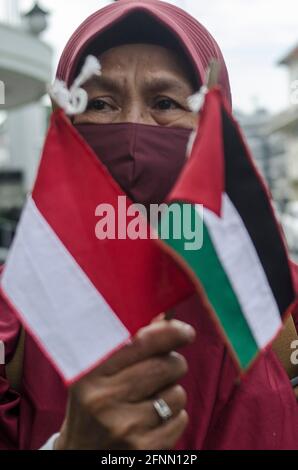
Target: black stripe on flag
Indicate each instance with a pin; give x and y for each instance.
(243, 186)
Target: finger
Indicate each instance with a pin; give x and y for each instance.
(156, 339)
(166, 436)
(142, 380)
(143, 417)
(175, 397)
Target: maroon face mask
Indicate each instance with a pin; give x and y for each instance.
(145, 160)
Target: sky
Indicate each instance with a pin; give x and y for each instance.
(253, 35)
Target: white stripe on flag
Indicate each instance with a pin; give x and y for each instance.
(57, 300)
(242, 265)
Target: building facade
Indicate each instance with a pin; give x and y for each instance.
(284, 126)
(25, 71)
(268, 151)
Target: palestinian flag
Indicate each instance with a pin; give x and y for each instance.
(242, 268)
(82, 298)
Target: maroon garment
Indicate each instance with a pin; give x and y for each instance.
(258, 413)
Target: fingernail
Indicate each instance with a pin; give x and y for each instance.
(189, 331)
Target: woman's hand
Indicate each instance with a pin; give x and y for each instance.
(112, 407)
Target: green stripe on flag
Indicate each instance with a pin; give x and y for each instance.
(208, 270)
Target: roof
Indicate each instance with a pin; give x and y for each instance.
(36, 10)
(292, 56)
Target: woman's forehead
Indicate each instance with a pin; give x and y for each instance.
(149, 60)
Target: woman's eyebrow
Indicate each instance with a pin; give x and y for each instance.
(105, 83)
(166, 84)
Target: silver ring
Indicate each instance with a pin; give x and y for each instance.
(162, 409)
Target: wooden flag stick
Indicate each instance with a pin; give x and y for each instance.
(212, 76)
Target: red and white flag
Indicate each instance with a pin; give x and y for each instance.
(80, 297)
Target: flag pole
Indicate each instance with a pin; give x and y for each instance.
(212, 76)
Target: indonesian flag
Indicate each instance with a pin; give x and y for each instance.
(80, 297)
(242, 268)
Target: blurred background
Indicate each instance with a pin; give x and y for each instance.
(259, 40)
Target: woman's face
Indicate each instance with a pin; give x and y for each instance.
(140, 83)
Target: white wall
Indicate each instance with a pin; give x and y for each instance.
(26, 131)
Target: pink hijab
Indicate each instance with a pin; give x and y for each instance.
(259, 412)
(161, 23)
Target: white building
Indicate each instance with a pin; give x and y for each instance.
(25, 70)
(285, 126)
(268, 152)
(284, 129)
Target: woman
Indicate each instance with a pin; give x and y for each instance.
(153, 57)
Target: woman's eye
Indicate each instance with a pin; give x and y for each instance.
(99, 105)
(166, 104)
